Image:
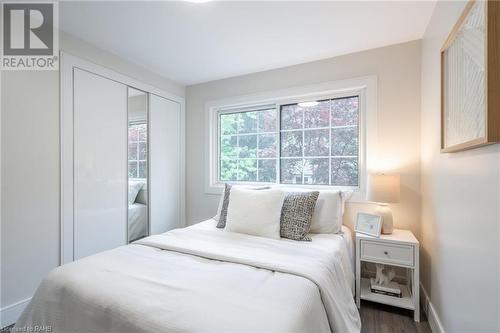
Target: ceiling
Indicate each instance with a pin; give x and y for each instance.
(197, 42)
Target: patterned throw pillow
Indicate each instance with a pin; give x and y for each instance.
(296, 215)
(225, 203)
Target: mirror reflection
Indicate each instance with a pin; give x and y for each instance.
(138, 226)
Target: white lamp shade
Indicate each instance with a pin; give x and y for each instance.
(383, 188)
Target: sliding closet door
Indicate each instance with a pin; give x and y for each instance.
(165, 177)
(100, 164)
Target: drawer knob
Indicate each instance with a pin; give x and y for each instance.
(386, 253)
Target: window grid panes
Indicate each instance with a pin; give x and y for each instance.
(248, 146)
(320, 142)
(313, 143)
(137, 150)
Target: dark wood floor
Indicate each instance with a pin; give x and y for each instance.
(378, 318)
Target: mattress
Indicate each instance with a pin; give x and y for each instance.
(201, 279)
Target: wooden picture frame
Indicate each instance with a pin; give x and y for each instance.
(369, 224)
(482, 120)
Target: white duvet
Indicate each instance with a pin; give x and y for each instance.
(201, 280)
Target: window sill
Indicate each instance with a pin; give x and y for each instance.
(358, 194)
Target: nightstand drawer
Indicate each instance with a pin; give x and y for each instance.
(389, 253)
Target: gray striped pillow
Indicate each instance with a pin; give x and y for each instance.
(296, 215)
(225, 203)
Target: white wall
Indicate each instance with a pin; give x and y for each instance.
(30, 181)
(460, 207)
(30, 168)
(398, 71)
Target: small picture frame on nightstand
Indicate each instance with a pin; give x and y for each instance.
(368, 224)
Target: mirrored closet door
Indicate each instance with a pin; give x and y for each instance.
(138, 165)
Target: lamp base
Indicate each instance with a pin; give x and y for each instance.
(384, 211)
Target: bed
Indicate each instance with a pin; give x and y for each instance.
(137, 221)
(202, 279)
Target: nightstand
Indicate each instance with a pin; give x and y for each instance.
(399, 249)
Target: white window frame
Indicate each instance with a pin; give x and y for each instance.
(364, 87)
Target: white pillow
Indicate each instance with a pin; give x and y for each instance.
(327, 217)
(221, 200)
(328, 212)
(255, 213)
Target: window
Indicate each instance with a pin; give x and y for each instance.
(312, 143)
(137, 150)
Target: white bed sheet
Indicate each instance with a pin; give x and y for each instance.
(200, 280)
(321, 240)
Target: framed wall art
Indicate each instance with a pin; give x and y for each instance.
(470, 79)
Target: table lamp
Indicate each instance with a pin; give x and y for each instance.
(384, 189)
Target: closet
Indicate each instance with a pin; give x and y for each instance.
(100, 180)
(121, 159)
(165, 125)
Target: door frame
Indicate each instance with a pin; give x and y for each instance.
(66, 124)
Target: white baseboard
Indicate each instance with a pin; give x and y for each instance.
(10, 313)
(430, 312)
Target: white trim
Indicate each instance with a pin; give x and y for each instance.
(365, 87)
(1, 222)
(10, 313)
(68, 63)
(430, 312)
